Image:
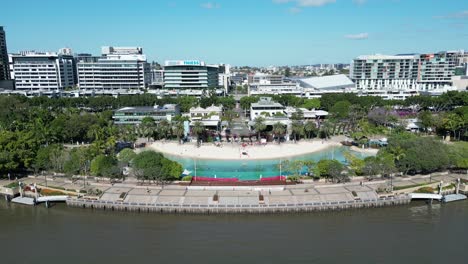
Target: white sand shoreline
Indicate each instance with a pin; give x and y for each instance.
(233, 151)
(365, 150)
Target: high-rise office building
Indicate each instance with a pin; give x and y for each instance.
(117, 68)
(190, 75)
(4, 65)
(43, 70)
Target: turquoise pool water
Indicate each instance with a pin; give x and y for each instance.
(253, 169)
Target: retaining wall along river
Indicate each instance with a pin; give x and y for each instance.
(227, 209)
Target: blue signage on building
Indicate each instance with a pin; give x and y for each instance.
(192, 62)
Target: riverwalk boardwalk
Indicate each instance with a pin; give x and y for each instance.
(175, 198)
(239, 199)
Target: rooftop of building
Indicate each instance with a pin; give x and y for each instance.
(169, 63)
(164, 108)
(388, 57)
(266, 101)
(212, 108)
(326, 82)
(261, 74)
(290, 110)
(33, 53)
(273, 84)
(109, 50)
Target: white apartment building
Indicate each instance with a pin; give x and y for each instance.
(406, 74)
(42, 70)
(437, 70)
(117, 68)
(384, 72)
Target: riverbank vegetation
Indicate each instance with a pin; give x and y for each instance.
(76, 136)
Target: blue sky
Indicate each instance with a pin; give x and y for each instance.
(240, 32)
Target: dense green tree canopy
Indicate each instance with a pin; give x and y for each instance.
(105, 166)
(150, 165)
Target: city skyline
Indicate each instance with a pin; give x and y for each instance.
(271, 32)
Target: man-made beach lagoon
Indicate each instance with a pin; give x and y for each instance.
(253, 169)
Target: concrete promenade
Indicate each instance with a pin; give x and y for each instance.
(305, 197)
(255, 199)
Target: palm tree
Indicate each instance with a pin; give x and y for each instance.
(127, 133)
(229, 116)
(297, 129)
(147, 127)
(96, 133)
(259, 125)
(197, 130)
(356, 113)
(164, 129)
(278, 130)
(310, 127)
(178, 130)
(325, 129)
(452, 122)
(398, 153)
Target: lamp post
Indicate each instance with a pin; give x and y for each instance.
(86, 171)
(391, 183)
(280, 170)
(45, 178)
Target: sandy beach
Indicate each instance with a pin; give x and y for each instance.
(365, 150)
(234, 151)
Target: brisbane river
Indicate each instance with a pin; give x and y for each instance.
(416, 233)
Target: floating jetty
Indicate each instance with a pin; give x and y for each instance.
(42, 199)
(24, 200)
(453, 198)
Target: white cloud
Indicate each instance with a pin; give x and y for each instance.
(461, 14)
(314, 2)
(210, 5)
(306, 3)
(294, 10)
(357, 36)
(359, 2)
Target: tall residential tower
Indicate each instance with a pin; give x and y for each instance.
(4, 66)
